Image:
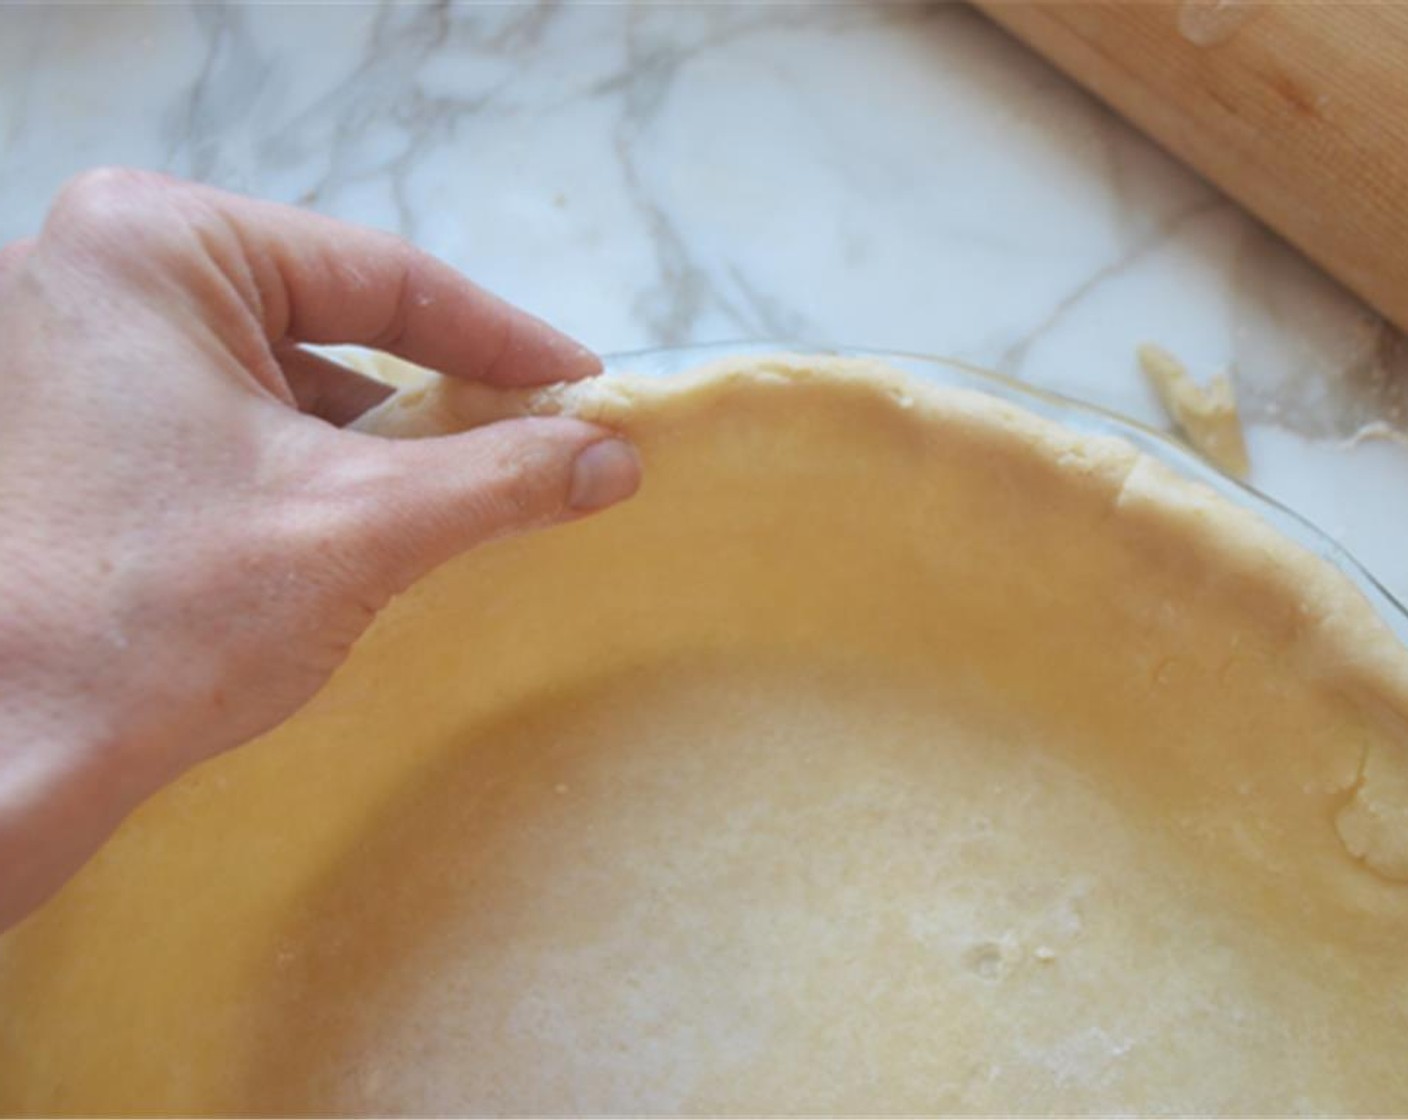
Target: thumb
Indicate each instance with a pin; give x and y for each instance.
(434, 498)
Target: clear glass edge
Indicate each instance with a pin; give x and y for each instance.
(1074, 414)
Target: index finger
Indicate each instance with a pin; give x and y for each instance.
(324, 281)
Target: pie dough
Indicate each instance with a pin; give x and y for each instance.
(894, 751)
(1207, 417)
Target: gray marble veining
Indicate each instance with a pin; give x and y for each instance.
(894, 176)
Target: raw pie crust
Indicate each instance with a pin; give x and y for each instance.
(893, 751)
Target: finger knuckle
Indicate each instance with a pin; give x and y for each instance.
(104, 195)
(148, 228)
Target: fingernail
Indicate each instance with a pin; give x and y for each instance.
(573, 360)
(605, 473)
(580, 361)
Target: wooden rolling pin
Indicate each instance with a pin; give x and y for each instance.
(1299, 111)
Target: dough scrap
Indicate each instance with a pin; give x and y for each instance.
(1207, 416)
(1374, 822)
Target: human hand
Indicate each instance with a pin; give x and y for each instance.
(189, 545)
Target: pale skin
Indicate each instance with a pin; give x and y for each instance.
(190, 543)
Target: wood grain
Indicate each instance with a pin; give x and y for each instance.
(1299, 111)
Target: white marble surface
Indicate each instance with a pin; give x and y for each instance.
(889, 176)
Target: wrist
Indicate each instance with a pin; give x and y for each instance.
(68, 774)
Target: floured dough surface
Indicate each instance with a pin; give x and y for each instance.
(893, 752)
(789, 885)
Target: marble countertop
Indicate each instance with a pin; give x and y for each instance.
(901, 177)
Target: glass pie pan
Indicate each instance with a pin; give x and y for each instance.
(624, 822)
